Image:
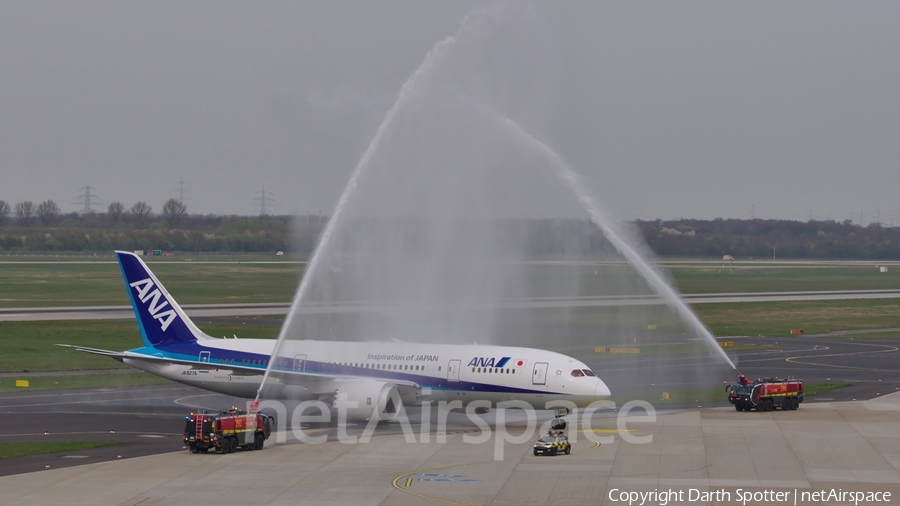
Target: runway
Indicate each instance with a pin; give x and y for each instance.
(218, 310)
(149, 420)
(827, 447)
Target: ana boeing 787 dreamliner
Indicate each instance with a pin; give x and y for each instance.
(377, 376)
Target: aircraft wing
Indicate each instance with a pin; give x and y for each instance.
(119, 355)
(313, 382)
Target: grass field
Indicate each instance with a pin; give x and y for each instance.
(813, 317)
(100, 283)
(728, 319)
(30, 346)
(12, 450)
(69, 381)
(821, 277)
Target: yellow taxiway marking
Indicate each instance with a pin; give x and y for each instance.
(396, 485)
(596, 445)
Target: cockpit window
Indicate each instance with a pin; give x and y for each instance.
(588, 372)
(577, 373)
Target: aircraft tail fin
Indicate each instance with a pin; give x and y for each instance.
(160, 319)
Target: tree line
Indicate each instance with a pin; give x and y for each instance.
(48, 214)
(42, 227)
(757, 238)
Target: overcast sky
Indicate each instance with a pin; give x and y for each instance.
(670, 109)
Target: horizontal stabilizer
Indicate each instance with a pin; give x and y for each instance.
(118, 355)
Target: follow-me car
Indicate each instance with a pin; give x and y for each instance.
(551, 444)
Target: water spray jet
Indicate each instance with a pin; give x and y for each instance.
(616, 234)
(431, 60)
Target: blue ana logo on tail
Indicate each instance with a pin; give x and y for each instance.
(148, 292)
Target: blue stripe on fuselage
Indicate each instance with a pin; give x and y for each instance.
(190, 352)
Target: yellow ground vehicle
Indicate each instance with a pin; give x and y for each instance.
(551, 444)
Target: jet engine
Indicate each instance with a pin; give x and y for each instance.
(372, 398)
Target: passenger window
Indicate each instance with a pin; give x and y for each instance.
(439, 368)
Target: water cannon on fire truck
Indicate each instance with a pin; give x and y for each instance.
(765, 394)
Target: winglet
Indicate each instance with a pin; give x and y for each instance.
(160, 319)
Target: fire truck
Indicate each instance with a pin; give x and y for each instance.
(765, 394)
(226, 431)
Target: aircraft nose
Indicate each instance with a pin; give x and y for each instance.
(601, 390)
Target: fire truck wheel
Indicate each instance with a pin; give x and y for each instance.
(770, 405)
(194, 449)
(795, 403)
(738, 407)
(232, 444)
(260, 441)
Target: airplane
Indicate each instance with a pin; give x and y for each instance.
(377, 376)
